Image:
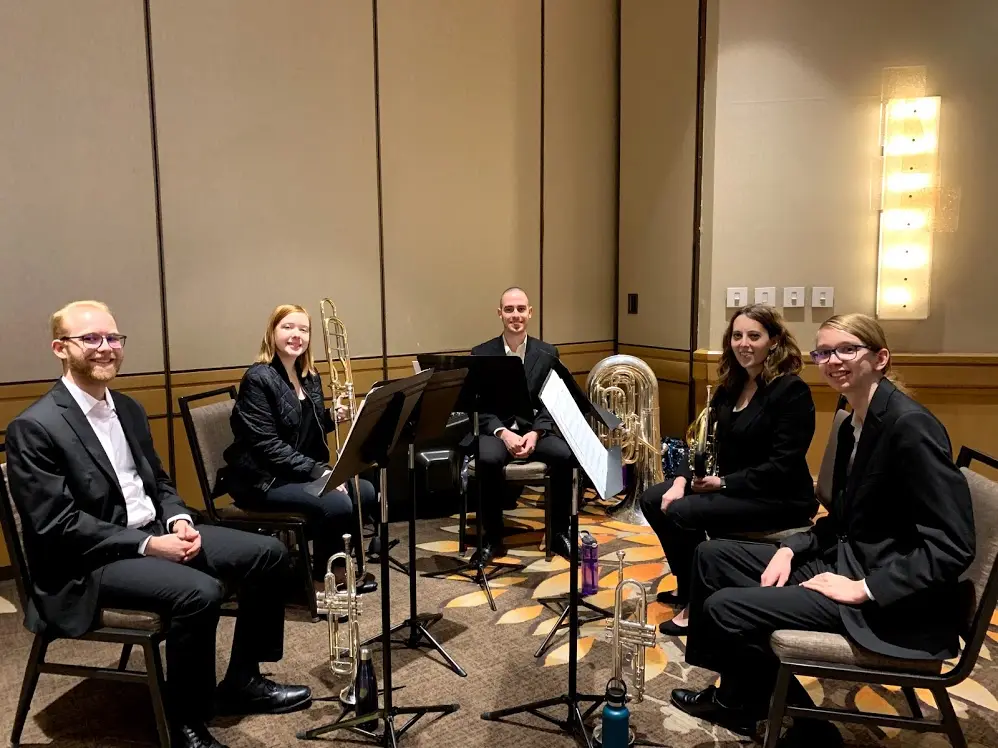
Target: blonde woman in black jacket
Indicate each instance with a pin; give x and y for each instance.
(280, 425)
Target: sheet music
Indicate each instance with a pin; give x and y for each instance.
(594, 458)
(416, 368)
(318, 486)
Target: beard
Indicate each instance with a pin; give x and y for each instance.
(92, 371)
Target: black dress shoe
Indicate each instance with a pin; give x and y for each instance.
(193, 735)
(673, 629)
(366, 584)
(489, 552)
(704, 705)
(259, 695)
(671, 598)
(561, 545)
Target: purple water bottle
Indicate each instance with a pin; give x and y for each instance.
(590, 564)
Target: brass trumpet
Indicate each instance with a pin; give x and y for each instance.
(344, 655)
(701, 440)
(631, 636)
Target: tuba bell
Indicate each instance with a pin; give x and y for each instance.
(631, 636)
(701, 441)
(344, 646)
(627, 387)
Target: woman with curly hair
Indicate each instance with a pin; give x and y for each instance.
(765, 421)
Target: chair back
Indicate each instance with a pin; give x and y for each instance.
(13, 533)
(826, 471)
(980, 581)
(209, 433)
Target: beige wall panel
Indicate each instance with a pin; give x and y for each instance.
(797, 102)
(266, 123)
(580, 169)
(77, 212)
(658, 93)
(460, 109)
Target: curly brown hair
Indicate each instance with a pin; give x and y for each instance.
(785, 357)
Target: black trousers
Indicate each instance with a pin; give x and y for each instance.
(330, 516)
(732, 617)
(551, 450)
(189, 596)
(687, 522)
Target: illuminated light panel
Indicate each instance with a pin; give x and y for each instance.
(905, 220)
(905, 257)
(908, 181)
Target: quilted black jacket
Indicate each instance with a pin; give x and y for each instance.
(266, 423)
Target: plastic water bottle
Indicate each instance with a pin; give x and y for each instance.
(366, 685)
(590, 564)
(616, 732)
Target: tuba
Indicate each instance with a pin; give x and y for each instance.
(344, 646)
(700, 438)
(630, 636)
(627, 387)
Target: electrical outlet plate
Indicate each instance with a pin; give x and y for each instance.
(766, 295)
(822, 297)
(737, 297)
(793, 296)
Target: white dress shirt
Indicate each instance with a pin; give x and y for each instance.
(103, 419)
(520, 352)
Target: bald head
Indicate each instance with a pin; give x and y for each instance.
(514, 311)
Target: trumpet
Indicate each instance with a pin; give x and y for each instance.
(702, 443)
(631, 636)
(344, 646)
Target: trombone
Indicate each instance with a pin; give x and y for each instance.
(344, 646)
(340, 381)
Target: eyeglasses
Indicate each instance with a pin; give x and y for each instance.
(842, 353)
(93, 341)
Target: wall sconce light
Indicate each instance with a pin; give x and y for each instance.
(909, 192)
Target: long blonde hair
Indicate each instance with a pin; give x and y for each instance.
(870, 334)
(268, 346)
(785, 357)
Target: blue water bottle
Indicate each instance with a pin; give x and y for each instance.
(616, 732)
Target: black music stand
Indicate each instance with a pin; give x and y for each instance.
(494, 384)
(575, 721)
(375, 430)
(428, 421)
(595, 413)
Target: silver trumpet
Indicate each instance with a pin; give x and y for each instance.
(630, 636)
(344, 646)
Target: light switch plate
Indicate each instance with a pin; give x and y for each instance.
(766, 295)
(737, 296)
(823, 296)
(793, 296)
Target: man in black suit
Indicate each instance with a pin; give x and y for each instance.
(882, 568)
(105, 528)
(506, 437)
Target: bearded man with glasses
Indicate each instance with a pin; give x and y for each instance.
(105, 528)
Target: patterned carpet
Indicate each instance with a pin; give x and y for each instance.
(496, 648)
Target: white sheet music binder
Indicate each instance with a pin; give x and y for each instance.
(602, 465)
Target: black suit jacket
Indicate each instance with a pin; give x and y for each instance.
(762, 453)
(901, 519)
(537, 360)
(71, 506)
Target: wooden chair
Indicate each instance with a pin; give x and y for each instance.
(125, 627)
(209, 435)
(826, 655)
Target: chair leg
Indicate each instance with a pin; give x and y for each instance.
(951, 725)
(126, 651)
(909, 694)
(38, 648)
(462, 531)
(548, 531)
(777, 707)
(154, 678)
(305, 561)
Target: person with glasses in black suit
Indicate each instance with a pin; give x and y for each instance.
(105, 528)
(765, 422)
(882, 567)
